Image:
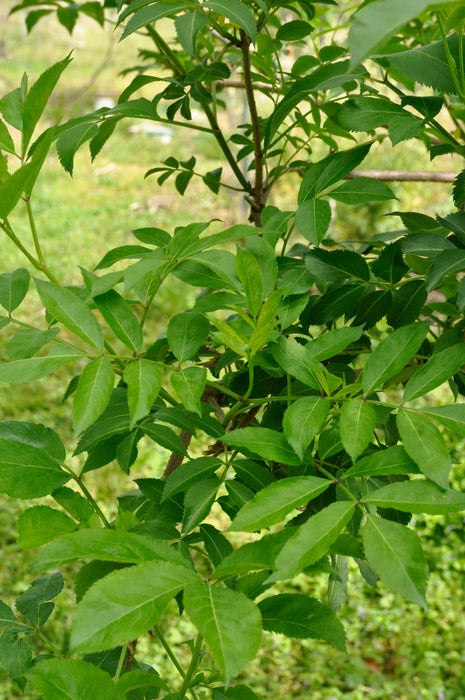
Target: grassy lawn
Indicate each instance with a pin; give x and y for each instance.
(395, 650)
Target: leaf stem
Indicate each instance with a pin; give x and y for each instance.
(88, 495)
(192, 667)
(122, 656)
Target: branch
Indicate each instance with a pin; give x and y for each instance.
(403, 175)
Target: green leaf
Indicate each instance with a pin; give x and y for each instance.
(6, 142)
(165, 437)
(333, 342)
(12, 188)
(299, 616)
(453, 416)
(25, 343)
(35, 603)
(394, 460)
(392, 354)
(345, 263)
(71, 139)
(417, 496)
(426, 244)
(27, 471)
(445, 263)
(36, 435)
(428, 64)
(229, 622)
(139, 680)
(313, 218)
(298, 361)
(425, 445)
(40, 524)
(150, 14)
(390, 265)
(294, 30)
(237, 12)
(237, 692)
(144, 379)
(71, 311)
(325, 77)
(15, 656)
(189, 385)
(7, 617)
(312, 539)
(363, 113)
(303, 420)
(439, 368)
(11, 105)
(252, 556)
(249, 273)
(356, 424)
(105, 545)
(331, 169)
(13, 288)
(20, 371)
(190, 473)
(407, 302)
(186, 333)
(93, 393)
(107, 617)
(198, 501)
(69, 679)
(361, 190)
(121, 319)
(395, 554)
(375, 23)
(187, 28)
(273, 503)
(37, 98)
(264, 442)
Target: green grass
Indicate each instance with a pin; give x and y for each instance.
(395, 650)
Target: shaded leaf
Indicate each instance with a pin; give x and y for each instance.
(356, 424)
(425, 445)
(439, 368)
(264, 442)
(144, 379)
(418, 496)
(303, 420)
(69, 679)
(40, 524)
(93, 393)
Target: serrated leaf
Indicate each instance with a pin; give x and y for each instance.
(439, 368)
(189, 473)
(165, 437)
(27, 471)
(361, 190)
(312, 539)
(264, 442)
(20, 371)
(302, 617)
(395, 554)
(71, 311)
(40, 524)
(374, 24)
(249, 273)
(237, 12)
(298, 361)
(389, 264)
(187, 28)
(15, 656)
(13, 288)
(425, 445)
(271, 505)
(392, 354)
(25, 343)
(345, 263)
(105, 545)
(189, 384)
(6, 142)
(417, 496)
(444, 263)
(198, 501)
(229, 622)
(186, 333)
(407, 302)
(121, 319)
(69, 679)
(34, 603)
(71, 139)
(12, 187)
(394, 460)
(333, 342)
(363, 113)
(453, 416)
(312, 219)
(252, 556)
(303, 420)
(7, 617)
(106, 617)
(37, 98)
(330, 170)
(356, 424)
(144, 379)
(149, 14)
(458, 190)
(93, 393)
